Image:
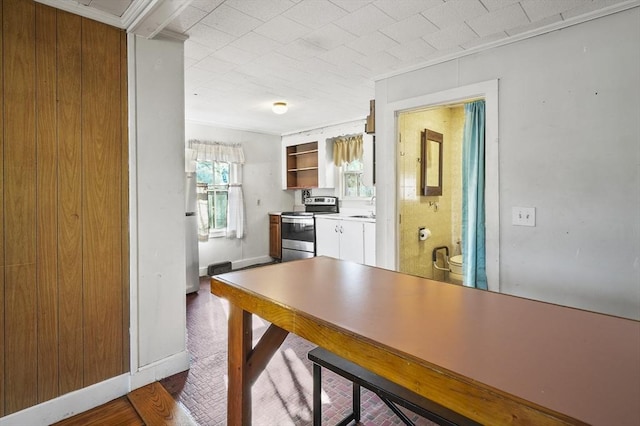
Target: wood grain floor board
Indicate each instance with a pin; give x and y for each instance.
(117, 412)
(157, 407)
(149, 405)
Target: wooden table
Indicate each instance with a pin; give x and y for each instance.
(494, 358)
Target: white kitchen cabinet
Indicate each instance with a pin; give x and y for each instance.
(308, 162)
(370, 243)
(341, 239)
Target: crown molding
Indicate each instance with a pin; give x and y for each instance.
(610, 10)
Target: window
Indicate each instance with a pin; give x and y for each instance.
(214, 176)
(352, 185)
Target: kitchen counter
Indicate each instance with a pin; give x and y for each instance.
(350, 217)
(362, 217)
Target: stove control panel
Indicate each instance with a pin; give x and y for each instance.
(321, 205)
(321, 201)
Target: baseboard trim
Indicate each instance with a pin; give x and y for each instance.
(239, 264)
(84, 399)
(159, 370)
(70, 404)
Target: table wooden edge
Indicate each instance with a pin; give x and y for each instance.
(471, 399)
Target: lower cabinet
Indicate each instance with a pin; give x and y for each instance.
(370, 243)
(342, 239)
(275, 241)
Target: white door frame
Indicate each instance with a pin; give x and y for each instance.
(388, 196)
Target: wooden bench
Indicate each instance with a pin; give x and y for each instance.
(390, 393)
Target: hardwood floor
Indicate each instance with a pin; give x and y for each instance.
(282, 395)
(117, 412)
(148, 405)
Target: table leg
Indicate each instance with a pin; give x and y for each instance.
(239, 392)
(247, 363)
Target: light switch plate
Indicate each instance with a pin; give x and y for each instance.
(523, 216)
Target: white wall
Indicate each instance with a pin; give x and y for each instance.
(262, 192)
(569, 146)
(158, 203)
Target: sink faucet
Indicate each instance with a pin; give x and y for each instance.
(372, 200)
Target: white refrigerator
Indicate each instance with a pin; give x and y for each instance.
(191, 247)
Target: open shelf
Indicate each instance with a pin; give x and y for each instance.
(299, 169)
(311, 151)
(302, 166)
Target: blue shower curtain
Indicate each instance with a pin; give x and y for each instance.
(473, 230)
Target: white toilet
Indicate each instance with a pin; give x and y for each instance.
(455, 267)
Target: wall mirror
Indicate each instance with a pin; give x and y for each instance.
(431, 162)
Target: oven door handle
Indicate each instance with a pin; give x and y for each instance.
(305, 221)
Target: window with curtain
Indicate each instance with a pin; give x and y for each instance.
(347, 156)
(213, 179)
(220, 206)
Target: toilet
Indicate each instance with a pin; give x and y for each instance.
(455, 268)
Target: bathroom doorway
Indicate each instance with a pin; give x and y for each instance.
(439, 215)
(388, 223)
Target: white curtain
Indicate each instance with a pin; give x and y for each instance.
(233, 154)
(202, 211)
(235, 203)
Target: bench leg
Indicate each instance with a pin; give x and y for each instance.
(317, 391)
(356, 402)
(406, 420)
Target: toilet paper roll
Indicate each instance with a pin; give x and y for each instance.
(424, 234)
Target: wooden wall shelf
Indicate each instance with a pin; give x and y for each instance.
(302, 166)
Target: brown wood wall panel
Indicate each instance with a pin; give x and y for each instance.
(70, 219)
(47, 205)
(2, 271)
(124, 191)
(101, 204)
(20, 363)
(64, 267)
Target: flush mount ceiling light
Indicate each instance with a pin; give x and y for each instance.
(279, 107)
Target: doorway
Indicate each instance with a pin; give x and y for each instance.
(440, 215)
(387, 214)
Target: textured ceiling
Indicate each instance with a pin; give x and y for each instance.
(322, 57)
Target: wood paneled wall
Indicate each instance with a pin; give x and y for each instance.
(63, 204)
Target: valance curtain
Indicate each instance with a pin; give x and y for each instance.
(473, 212)
(233, 154)
(217, 151)
(346, 149)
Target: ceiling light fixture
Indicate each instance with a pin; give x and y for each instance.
(279, 107)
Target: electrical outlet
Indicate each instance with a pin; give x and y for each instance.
(523, 216)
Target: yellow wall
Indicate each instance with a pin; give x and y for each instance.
(444, 222)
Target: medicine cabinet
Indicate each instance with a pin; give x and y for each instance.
(431, 162)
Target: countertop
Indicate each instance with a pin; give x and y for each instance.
(354, 216)
(360, 217)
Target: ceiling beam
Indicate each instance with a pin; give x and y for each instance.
(155, 16)
(146, 18)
